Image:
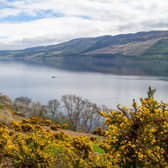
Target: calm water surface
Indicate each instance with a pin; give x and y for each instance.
(36, 82)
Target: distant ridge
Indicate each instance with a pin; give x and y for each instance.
(142, 53)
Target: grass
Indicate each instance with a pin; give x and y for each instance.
(97, 149)
(157, 51)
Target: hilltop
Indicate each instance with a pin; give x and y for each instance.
(143, 53)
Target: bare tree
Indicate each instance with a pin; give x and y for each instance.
(81, 112)
(21, 105)
(73, 106)
(5, 100)
(53, 106)
(89, 115)
(38, 109)
(23, 100)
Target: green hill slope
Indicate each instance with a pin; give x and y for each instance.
(143, 53)
(157, 51)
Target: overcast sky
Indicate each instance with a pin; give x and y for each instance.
(27, 23)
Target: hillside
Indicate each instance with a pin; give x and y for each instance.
(135, 137)
(143, 53)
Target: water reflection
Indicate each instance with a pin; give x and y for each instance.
(37, 83)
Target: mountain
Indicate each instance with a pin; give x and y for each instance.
(143, 53)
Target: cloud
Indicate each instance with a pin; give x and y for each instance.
(30, 23)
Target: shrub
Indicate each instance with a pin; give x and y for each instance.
(5, 142)
(37, 127)
(82, 145)
(104, 133)
(27, 127)
(138, 137)
(30, 151)
(93, 138)
(16, 125)
(98, 131)
(2, 124)
(47, 122)
(25, 120)
(65, 156)
(54, 127)
(60, 135)
(64, 126)
(57, 125)
(36, 120)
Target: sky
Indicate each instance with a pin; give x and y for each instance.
(29, 23)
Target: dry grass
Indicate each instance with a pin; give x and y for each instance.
(5, 116)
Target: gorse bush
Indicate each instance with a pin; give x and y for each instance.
(27, 127)
(83, 145)
(135, 138)
(36, 120)
(60, 135)
(16, 126)
(98, 131)
(138, 137)
(4, 142)
(30, 151)
(54, 127)
(42, 149)
(64, 126)
(47, 122)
